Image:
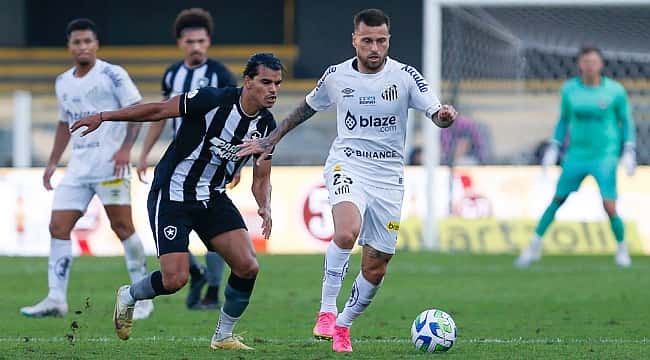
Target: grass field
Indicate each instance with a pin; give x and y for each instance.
(561, 308)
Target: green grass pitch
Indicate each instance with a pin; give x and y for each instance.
(561, 308)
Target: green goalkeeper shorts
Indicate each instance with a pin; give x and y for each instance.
(573, 172)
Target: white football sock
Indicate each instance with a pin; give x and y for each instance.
(361, 296)
(136, 262)
(536, 243)
(224, 326)
(336, 266)
(58, 269)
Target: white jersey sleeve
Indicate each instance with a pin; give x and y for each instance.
(320, 98)
(420, 95)
(123, 87)
(59, 103)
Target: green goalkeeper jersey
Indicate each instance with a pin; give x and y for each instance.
(598, 119)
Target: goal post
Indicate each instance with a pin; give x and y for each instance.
(514, 59)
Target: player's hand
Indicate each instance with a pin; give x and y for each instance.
(47, 175)
(92, 122)
(267, 223)
(142, 170)
(628, 160)
(121, 159)
(551, 154)
(262, 146)
(445, 116)
(235, 180)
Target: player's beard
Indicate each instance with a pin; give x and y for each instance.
(374, 65)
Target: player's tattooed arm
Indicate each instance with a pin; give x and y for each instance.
(298, 116)
(264, 146)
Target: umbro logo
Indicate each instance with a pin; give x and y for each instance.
(170, 232)
(347, 91)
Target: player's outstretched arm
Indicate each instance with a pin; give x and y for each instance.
(445, 116)
(261, 189)
(264, 146)
(143, 112)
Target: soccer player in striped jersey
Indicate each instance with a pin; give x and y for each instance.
(188, 190)
(99, 165)
(595, 114)
(365, 166)
(193, 28)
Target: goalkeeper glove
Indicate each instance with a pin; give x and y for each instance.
(551, 154)
(628, 159)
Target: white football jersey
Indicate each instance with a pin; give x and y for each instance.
(372, 110)
(105, 87)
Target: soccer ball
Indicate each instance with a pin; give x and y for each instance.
(433, 331)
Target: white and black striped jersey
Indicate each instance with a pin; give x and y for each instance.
(202, 158)
(179, 79)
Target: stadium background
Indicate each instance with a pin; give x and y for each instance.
(502, 67)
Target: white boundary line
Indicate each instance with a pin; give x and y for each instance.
(520, 340)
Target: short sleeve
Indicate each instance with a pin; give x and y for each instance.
(62, 117)
(125, 90)
(319, 99)
(421, 97)
(200, 101)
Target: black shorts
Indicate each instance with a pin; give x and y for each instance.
(172, 221)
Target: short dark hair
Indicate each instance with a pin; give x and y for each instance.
(194, 18)
(371, 17)
(267, 59)
(80, 24)
(589, 49)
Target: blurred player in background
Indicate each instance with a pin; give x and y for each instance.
(188, 190)
(597, 118)
(364, 169)
(99, 165)
(193, 28)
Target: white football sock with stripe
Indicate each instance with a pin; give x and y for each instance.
(336, 266)
(58, 269)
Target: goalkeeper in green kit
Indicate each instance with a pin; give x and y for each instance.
(596, 117)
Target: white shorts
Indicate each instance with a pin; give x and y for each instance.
(380, 209)
(77, 197)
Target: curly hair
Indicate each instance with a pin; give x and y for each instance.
(194, 18)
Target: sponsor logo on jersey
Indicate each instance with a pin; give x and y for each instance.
(338, 167)
(374, 155)
(347, 92)
(422, 84)
(170, 232)
(381, 123)
(224, 149)
(367, 100)
(389, 93)
(393, 226)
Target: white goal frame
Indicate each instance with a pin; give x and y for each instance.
(432, 68)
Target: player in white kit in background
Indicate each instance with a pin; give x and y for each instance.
(99, 164)
(364, 169)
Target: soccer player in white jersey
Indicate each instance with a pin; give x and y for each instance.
(364, 169)
(193, 28)
(99, 165)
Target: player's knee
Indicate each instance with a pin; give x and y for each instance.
(246, 269)
(59, 230)
(345, 239)
(373, 274)
(174, 282)
(123, 229)
(559, 200)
